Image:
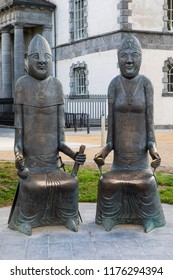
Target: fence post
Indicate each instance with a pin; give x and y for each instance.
(88, 124)
(102, 130)
(75, 122)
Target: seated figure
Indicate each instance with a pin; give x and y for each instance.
(46, 195)
(127, 194)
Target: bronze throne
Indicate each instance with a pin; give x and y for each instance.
(128, 194)
(46, 195)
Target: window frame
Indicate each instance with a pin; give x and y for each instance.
(79, 25)
(78, 19)
(168, 65)
(79, 83)
(168, 15)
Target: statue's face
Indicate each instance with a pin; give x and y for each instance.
(39, 65)
(129, 63)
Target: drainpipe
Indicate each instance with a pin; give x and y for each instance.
(55, 70)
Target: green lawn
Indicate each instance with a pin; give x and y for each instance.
(88, 180)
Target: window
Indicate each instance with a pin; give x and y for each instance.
(168, 77)
(78, 19)
(168, 15)
(79, 80)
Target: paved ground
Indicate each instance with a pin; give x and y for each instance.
(91, 242)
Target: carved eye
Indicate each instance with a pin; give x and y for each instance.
(123, 56)
(135, 55)
(47, 56)
(35, 56)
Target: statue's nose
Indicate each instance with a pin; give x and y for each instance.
(129, 58)
(41, 58)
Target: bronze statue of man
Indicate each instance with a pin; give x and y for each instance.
(46, 195)
(127, 194)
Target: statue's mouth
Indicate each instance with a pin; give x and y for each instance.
(41, 67)
(130, 68)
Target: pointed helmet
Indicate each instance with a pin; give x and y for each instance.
(130, 42)
(39, 45)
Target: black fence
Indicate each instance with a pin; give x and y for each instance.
(95, 106)
(85, 112)
(6, 112)
(77, 120)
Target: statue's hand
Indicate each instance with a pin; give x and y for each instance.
(156, 159)
(80, 158)
(23, 171)
(99, 159)
(19, 161)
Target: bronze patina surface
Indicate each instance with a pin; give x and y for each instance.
(46, 195)
(127, 194)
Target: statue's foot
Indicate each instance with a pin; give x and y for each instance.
(25, 228)
(70, 224)
(148, 225)
(108, 224)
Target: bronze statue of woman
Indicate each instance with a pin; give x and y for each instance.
(46, 195)
(128, 194)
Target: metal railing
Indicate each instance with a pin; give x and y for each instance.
(77, 120)
(6, 112)
(84, 112)
(95, 106)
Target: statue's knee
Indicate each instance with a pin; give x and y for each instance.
(106, 186)
(71, 183)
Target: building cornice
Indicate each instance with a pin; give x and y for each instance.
(27, 16)
(110, 41)
(36, 3)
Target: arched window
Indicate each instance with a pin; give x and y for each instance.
(79, 80)
(168, 77)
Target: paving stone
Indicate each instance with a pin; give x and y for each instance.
(38, 240)
(36, 252)
(12, 252)
(60, 251)
(92, 242)
(83, 250)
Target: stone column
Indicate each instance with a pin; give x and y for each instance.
(6, 64)
(47, 34)
(19, 64)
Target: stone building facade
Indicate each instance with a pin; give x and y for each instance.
(84, 35)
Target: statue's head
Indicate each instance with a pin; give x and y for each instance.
(39, 58)
(129, 57)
